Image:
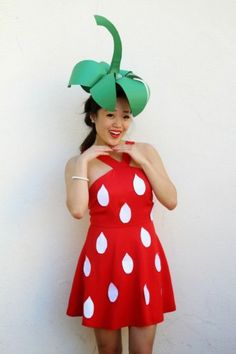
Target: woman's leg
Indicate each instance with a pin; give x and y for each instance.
(141, 339)
(108, 341)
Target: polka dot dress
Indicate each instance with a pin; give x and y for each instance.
(122, 277)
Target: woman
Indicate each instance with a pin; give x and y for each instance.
(122, 277)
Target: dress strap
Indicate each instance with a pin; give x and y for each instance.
(126, 157)
(108, 160)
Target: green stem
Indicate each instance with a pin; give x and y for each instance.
(116, 59)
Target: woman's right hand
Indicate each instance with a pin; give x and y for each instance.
(93, 151)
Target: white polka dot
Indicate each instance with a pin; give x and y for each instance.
(103, 196)
(146, 294)
(88, 308)
(139, 185)
(101, 243)
(87, 267)
(157, 263)
(125, 213)
(145, 237)
(152, 213)
(127, 264)
(112, 292)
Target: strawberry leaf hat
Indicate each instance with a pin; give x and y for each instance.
(100, 79)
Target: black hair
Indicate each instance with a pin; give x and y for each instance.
(91, 107)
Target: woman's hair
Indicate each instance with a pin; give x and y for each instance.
(91, 107)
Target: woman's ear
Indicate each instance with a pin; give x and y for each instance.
(93, 117)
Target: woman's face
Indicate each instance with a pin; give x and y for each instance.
(112, 126)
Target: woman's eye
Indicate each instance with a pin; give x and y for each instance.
(126, 117)
(109, 115)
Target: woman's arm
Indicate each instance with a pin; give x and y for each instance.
(77, 190)
(162, 186)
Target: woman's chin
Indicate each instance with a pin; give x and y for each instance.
(113, 142)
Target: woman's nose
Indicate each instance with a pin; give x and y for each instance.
(118, 120)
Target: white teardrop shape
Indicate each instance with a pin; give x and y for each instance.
(101, 243)
(145, 237)
(88, 308)
(112, 292)
(157, 263)
(139, 185)
(127, 264)
(103, 196)
(152, 213)
(125, 213)
(146, 294)
(87, 267)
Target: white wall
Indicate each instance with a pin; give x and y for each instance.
(185, 50)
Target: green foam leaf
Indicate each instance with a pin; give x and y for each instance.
(104, 92)
(88, 72)
(136, 93)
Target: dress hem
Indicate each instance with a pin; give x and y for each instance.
(124, 325)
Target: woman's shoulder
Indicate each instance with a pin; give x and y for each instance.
(146, 147)
(148, 150)
(71, 162)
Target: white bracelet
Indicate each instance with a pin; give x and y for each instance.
(79, 177)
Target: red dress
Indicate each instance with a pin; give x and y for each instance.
(122, 277)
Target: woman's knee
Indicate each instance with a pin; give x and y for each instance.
(141, 339)
(108, 341)
(140, 350)
(109, 348)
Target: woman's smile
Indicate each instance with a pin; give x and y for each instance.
(115, 134)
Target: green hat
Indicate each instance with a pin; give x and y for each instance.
(100, 79)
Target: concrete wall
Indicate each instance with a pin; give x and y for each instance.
(186, 51)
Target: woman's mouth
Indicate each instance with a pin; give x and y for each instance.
(115, 134)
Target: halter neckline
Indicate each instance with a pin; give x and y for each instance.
(111, 161)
